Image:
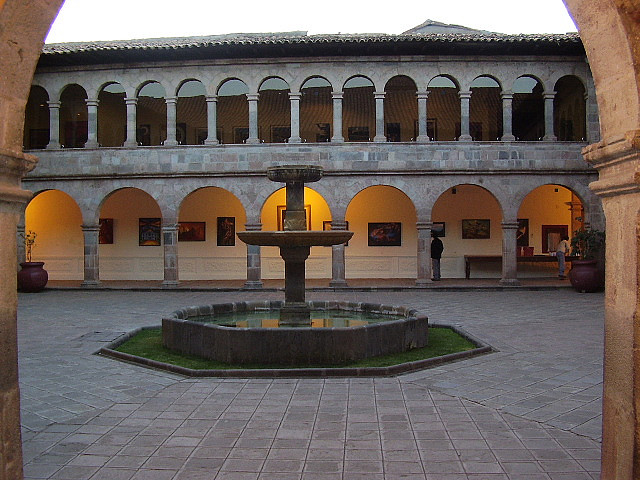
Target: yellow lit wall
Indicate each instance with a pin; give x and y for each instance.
(56, 219)
(206, 260)
(381, 204)
(125, 258)
(545, 206)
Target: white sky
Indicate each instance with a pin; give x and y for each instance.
(83, 20)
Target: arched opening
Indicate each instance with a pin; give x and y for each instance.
(36, 119)
(318, 216)
(56, 219)
(358, 110)
(469, 218)
(384, 243)
(112, 116)
(151, 115)
(528, 109)
(274, 111)
(569, 110)
(443, 109)
(485, 110)
(133, 250)
(233, 112)
(73, 116)
(191, 114)
(208, 248)
(316, 110)
(400, 109)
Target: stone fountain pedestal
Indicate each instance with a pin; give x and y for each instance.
(295, 241)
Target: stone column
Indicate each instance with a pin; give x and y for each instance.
(507, 117)
(548, 118)
(92, 123)
(54, 125)
(422, 117)
(338, 260)
(380, 137)
(617, 160)
(172, 103)
(20, 231)
(294, 98)
(252, 98)
(509, 263)
(254, 267)
(465, 100)
(170, 244)
(337, 117)
(91, 256)
(131, 140)
(212, 120)
(423, 255)
(12, 204)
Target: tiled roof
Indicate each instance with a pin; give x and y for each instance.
(294, 44)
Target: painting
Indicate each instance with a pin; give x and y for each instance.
(282, 210)
(358, 134)
(326, 225)
(201, 135)
(105, 235)
(226, 232)
(149, 232)
(38, 138)
(475, 130)
(384, 234)
(240, 134)
(325, 132)
(393, 132)
(143, 135)
(551, 236)
(438, 229)
(432, 129)
(476, 229)
(522, 234)
(280, 134)
(192, 231)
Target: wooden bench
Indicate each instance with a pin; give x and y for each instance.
(469, 259)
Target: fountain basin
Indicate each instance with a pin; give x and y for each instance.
(288, 345)
(295, 173)
(296, 238)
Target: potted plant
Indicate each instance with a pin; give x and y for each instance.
(587, 274)
(33, 277)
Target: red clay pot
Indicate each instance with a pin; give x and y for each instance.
(585, 276)
(32, 278)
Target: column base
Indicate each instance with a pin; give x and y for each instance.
(338, 283)
(294, 140)
(337, 139)
(53, 146)
(508, 138)
(465, 138)
(252, 141)
(211, 142)
(549, 138)
(380, 139)
(423, 139)
(170, 143)
(91, 145)
(421, 282)
(510, 282)
(130, 144)
(91, 284)
(170, 283)
(252, 285)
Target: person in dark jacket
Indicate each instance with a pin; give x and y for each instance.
(436, 254)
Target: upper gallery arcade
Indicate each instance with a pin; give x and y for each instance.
(410, 129)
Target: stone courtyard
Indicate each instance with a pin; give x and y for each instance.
(530, 411)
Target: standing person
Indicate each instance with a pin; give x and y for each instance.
(436, 254)
(561, 251)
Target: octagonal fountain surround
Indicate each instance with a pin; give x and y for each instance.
(295, 341)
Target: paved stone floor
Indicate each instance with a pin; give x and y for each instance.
(530, 411)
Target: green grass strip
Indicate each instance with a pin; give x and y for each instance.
(148, 344)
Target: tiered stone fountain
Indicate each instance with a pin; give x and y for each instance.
(210, 331)
(295, 241)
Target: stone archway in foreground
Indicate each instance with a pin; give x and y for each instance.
(610, 31)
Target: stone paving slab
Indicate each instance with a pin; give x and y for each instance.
(530, 411)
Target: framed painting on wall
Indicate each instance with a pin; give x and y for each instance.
(438, 229)
(551, 236)
(432, 128)
(384, 234)
(240, 134)
(192, 231)
(325, 132)
(149, 232)
(181, 133)
(105, 235)
(393, 132)
(476, 229)
(282, 210)
(226, 232)
(143, 135)
(358, 134)
(280, 134)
